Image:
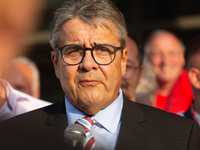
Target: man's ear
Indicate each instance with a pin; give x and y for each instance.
(194, 77)
(124, 61)
(54, 58)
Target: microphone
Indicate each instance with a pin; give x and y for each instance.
(74, 136)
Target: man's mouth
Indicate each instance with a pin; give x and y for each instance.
(89, 82)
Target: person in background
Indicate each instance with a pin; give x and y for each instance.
(145, 91)
(192, 58)
(19, 21)
(165, 52)
(88, 38)
(134, 69)
(13, 102)
(23, 75)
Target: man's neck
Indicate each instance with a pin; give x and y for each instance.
(133, 98)
(164, 88)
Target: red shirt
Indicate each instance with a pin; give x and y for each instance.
(161, 101)
(180, 97)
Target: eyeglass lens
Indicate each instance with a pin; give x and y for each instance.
(130, 72)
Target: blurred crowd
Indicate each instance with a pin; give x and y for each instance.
(120, 93)
(156, 72)
(165, 79)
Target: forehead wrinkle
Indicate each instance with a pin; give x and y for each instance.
(89, 36)
(85, 38)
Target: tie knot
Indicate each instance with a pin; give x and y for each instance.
(86, 122)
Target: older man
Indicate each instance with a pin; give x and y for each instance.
(88, 38)
(166, 54)
(23, 75)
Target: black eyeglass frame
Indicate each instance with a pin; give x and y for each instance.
(91, 49)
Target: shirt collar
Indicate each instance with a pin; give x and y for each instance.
(108, 117)
(12, 95)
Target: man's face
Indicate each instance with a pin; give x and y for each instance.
(133, 71)
(89, 86)
(20, 77)
(166, 57)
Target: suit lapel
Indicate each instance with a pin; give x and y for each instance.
(188, 114)
(132, 131)
(58, 116)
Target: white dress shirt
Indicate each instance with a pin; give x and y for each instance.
(18, 102)
(107, 122)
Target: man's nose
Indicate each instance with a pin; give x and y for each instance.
(88, 62)
(165, 58)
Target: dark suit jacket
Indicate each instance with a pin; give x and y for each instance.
(142, 128)
(188, 114)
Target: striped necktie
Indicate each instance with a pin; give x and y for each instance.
(87, 123)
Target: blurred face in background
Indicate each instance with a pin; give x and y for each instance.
(19, 21)
(133, 70)
(20, 76)
(166, 56)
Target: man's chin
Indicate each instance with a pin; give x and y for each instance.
(166, 78)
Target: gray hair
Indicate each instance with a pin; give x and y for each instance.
(33, 67)
(90, 11)
(157, 33)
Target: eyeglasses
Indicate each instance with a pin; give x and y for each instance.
(103, 54)
(130, 72)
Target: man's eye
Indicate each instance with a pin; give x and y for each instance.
(103, 49)
(128, 67)
(73, 53)
(72, 50)
(154, 54)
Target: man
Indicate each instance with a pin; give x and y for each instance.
(23, 75)
(88, 38)
(192, 58)
(166, 54)
(13, 102)
(134, 69)
(19, 21)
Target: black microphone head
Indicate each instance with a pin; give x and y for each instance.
(74, 135)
